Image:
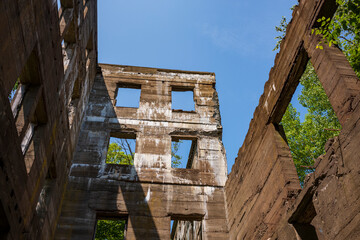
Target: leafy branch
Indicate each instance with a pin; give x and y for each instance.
(343, 30)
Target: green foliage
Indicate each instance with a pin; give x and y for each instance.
(282, 30)
(175, 159)
(110, 229)
(343, 30)
(307, 139)
(119, 152)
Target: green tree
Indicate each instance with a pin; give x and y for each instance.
(307, 139)
(110, 229)
(120, 152)
(343, 30)
(282, 30)
(175, 158)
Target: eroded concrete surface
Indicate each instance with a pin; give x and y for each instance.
(149, 193)
(54, 137)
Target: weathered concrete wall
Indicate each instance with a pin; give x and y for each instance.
(33, 179)
(54, 136)
(264, 198)
(149, 193)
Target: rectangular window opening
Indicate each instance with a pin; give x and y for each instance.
(14, 90)
(182, 99)
(128, 96)
(86, 8)
(111, 228)
(68, 43)
(121, 149)
(28, 108)
(33, 135)
(309, 122)
(16, 96)
(74, 101)
(46, 192)
(89, 51)
(182, 228)
(68, 50)
(183, 152)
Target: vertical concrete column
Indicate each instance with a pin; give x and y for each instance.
(339, 80)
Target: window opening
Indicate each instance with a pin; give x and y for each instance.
(88, 51)
(74, 101)
(303, 217)
(24, 107)
(111, 228)
(128, 96)
(121, 150)
(26, 95)
(14, 90)
(68, 53)
(46, 192)
(183, 152)
(86, 8)
(25, 143)
(31, 141)
(28, 109)
(58, 4)
(182, 99)
(185, 229)
(309, 122)
(16, 97)
(69, 38)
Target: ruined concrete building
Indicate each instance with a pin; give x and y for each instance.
(55, 131)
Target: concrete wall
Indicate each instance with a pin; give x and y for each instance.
(150, 193)
(54, 137)
(33, 178)
(264, 198)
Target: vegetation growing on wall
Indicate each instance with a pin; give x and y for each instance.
(343, 30)
(307, 139)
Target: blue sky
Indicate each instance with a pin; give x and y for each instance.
(232, 38)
